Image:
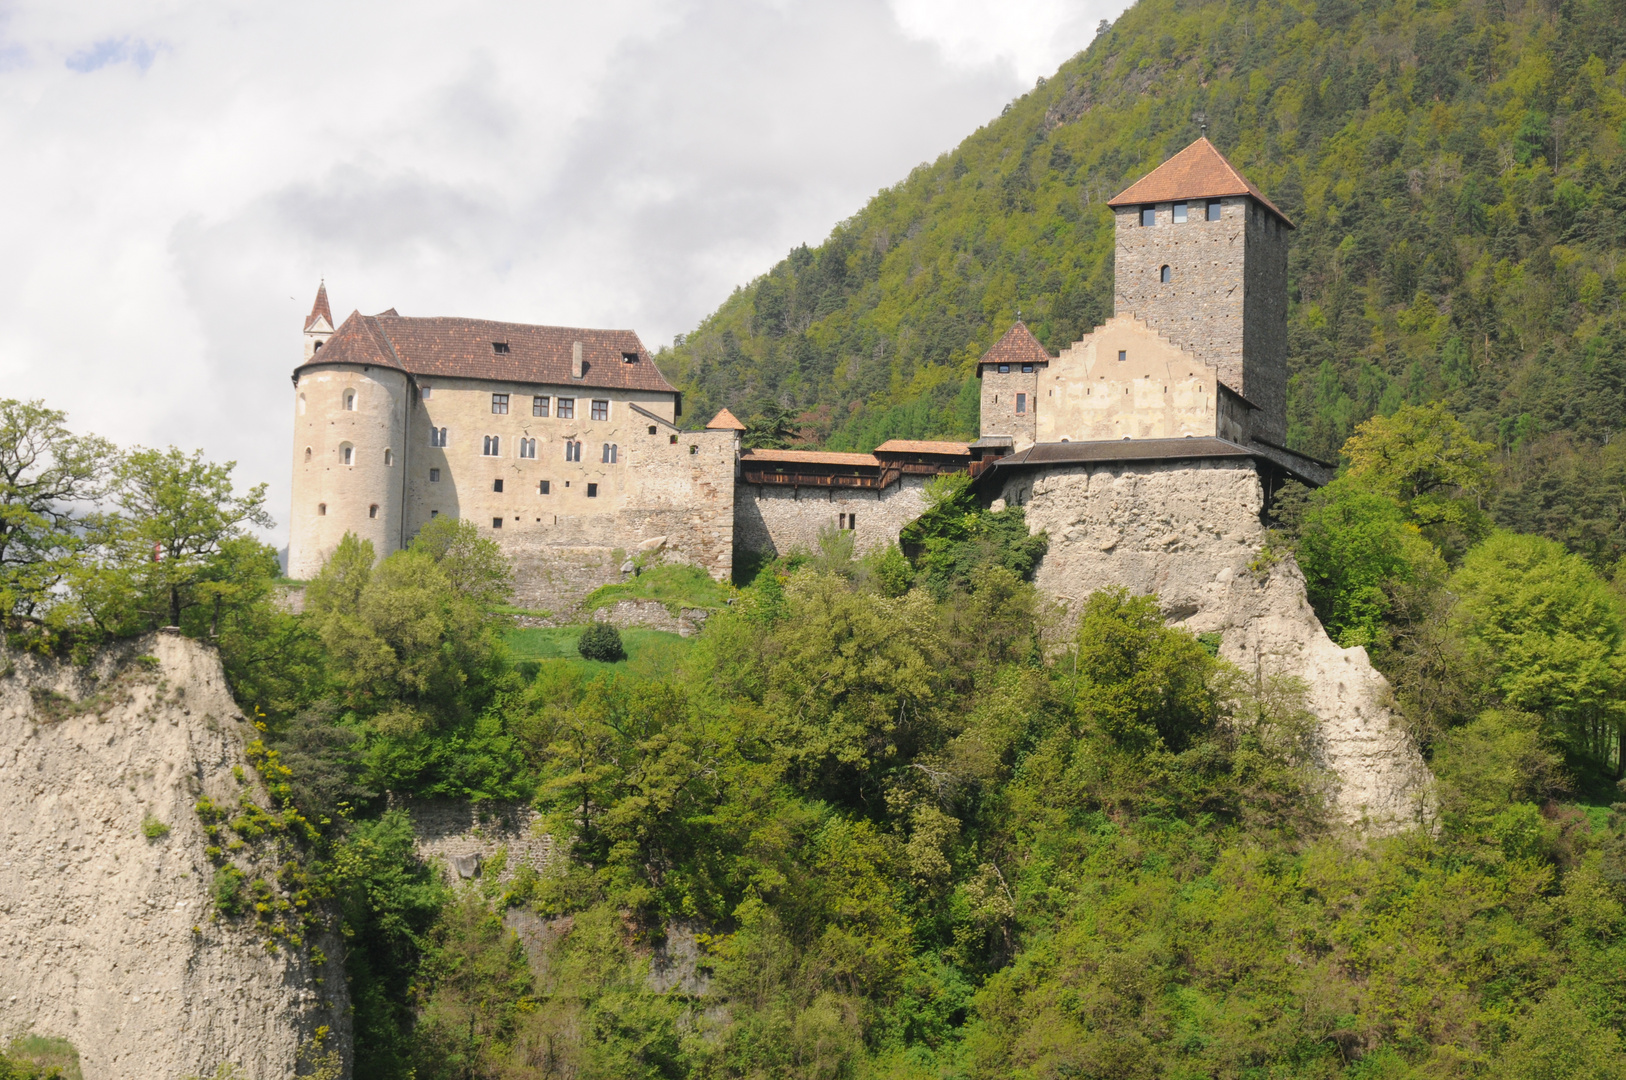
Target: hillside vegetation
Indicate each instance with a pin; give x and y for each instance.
(1455, 170)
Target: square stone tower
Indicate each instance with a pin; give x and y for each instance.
(1010, 371)
(1201, 256)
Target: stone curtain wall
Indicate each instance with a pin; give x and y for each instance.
(465, 838)
(673, 506)
(106, 937)
(1189, 532)
(778, 520)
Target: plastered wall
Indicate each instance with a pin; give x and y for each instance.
(778, 520)
(1158, 391)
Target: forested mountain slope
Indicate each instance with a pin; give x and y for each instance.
(1455, 170)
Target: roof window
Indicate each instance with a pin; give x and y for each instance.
(499, 346)
(629, 358)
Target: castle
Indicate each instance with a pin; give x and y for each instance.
(1148, 451)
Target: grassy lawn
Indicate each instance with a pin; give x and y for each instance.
(654, 654)
(677, 586)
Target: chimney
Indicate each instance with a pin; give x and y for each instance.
(575, 360)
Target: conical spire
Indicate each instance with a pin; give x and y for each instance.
(320, 309)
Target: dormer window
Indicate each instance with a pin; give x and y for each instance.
(1179, 213)
(629, 358)
(1148, 216)
(499, 346)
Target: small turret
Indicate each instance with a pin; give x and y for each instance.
(319, 324)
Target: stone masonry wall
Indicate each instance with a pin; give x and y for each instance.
(107, 938)
(999, 415)
(1264, 324)
(465, 838)
(779, 520)
(1189, 532)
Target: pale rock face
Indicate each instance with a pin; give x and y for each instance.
(1191, 533)
(97, 938)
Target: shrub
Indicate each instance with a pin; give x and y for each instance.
(227, 891)
(601, 641)
(152, 828)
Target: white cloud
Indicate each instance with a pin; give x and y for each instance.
(1031, 37)
(180, 173)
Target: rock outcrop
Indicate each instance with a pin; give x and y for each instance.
(1192, 533)
(107, 934)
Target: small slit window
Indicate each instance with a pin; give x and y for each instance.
(1148, 216)
(321, 509)
(349, 401)
(347, 454)
(307, 455)
(1165, 275)
(389, 457)
(301, 404)
(372, 511)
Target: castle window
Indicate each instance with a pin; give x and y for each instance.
(499, 404)
(847, 521)
(496, 523)
(1214, 209)
(492, 446)
(693, 449)
(652, 429)
(573, 450)
(629, 358)
(1179, 213)
(347, 454)
(1021, 403)
(539, 405)
(1148, 215)
(567, 408)
(317, 347)
(1027, 369)
(543, 487)
(496, 485)
(349, 401)
(592, 491)
(434, 476)
(424, 392)
(601, 409)
(434, 513)
(527, 448)
(1165, 275)
(307, 455)
(301, 404)
(372, 511)
(499, 346)
(673, 440)
(611, 451)
(1004, 369)
(1123, 354)
(437, 436)
(321, 509)
(389, 457)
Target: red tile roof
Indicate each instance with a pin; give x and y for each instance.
(806, 457)
(320, 307)
(1018, 346)
(724, 421)
(923, 446)
(1199, 171)
(465, 349)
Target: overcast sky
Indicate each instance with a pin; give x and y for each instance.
(176, 176)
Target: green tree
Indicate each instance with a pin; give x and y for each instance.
(47, 474)
(1142, 684)
(1424, 459)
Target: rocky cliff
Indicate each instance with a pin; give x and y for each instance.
(1192, 533)
(110, 935)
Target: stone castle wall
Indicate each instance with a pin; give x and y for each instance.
(1191, 533)
(778, 520)
(1264, 338)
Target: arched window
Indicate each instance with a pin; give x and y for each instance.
(372, 511)
(319, 344)
(321, 509)
(349, 401)
(389, 457)
(307, 455)
(527, 448)
(1165, 275)
(493, 446)
(610, 453)
(347, 454)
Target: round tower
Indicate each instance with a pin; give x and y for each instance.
(350, 414)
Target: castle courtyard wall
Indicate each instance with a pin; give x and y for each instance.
(1191, 533)
(776, 520)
